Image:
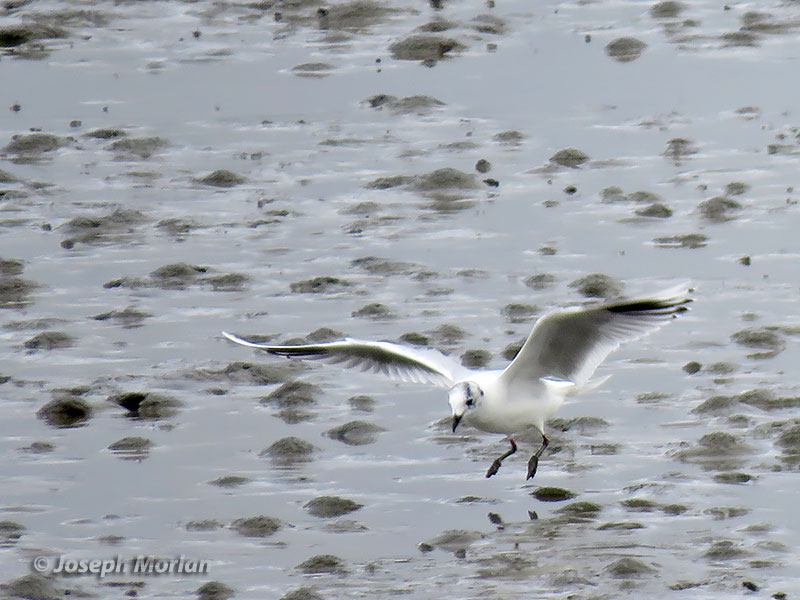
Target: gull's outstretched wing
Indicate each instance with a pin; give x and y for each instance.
(394, 360)
(570, 343)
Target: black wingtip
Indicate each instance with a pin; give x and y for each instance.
(651, 306)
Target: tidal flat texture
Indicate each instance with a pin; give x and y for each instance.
(440, 173)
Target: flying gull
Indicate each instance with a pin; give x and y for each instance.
(559, 356)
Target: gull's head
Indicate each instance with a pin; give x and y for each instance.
(464, 397)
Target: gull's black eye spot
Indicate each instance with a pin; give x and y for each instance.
(470, 402)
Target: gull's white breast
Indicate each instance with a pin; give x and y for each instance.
(509, 409)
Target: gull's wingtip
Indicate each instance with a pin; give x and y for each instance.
(676, 297)
(680, 296)
(679, 291)
(243, 342)
(235, 338)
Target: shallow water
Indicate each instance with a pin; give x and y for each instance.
(707, 103)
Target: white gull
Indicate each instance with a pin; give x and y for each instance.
(559, 356)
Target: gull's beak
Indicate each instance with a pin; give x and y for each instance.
(456, 421)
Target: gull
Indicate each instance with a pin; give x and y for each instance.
(558, 357)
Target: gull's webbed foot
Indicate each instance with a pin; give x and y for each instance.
(533, 464)
(494, 467)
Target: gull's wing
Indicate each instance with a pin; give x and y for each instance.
(394, 360)
(570, 343)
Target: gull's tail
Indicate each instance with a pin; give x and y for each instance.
(590, 385)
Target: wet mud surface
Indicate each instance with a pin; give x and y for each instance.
(439, 174)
